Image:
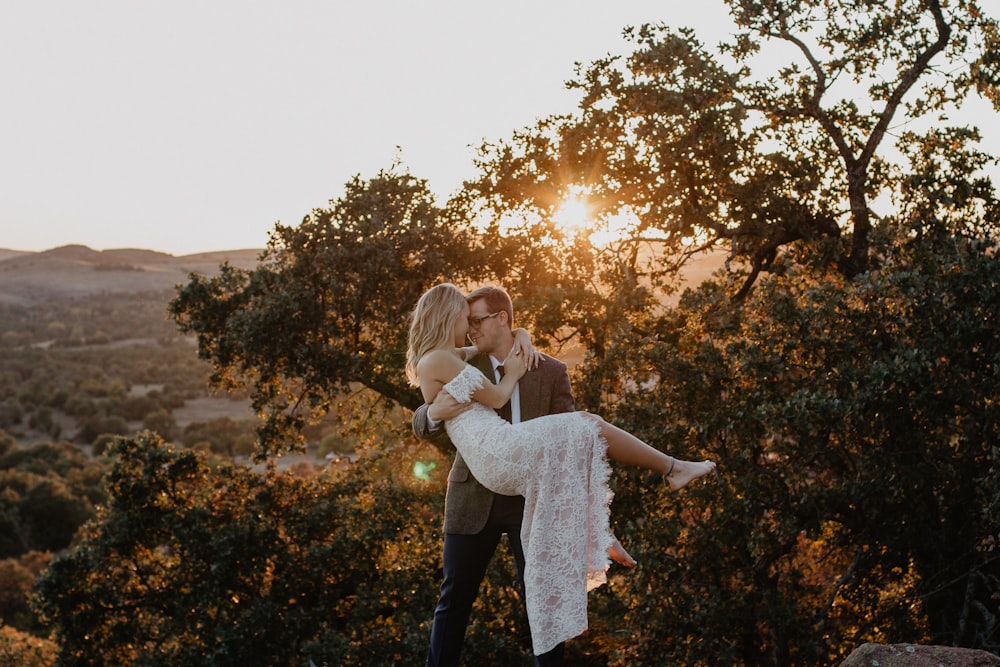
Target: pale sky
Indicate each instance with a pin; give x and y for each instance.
(194, 125)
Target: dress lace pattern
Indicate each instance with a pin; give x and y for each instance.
(558, 463)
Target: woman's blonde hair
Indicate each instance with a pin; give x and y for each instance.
(432, 324)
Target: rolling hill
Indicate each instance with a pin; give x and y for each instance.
(76, 270)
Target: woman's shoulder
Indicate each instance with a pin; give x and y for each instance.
(439, 356)
(435, 361)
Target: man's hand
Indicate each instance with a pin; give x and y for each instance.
(445, 407)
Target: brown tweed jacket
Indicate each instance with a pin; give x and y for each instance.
(544, 390)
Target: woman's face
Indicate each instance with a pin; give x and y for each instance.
(462, 326)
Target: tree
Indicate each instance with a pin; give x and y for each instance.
(49, 490)
(327, 307)
(17, 578)
(163, 422)
(223, 435)
(199, 565)
(24, 650)
(856, 426)
(696, 153)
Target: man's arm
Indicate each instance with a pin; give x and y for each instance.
(429, 418)
(562, 394)
(421, 427)
(437, 437)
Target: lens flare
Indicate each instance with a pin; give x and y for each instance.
(423, 470)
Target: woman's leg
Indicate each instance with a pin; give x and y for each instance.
(624, 447)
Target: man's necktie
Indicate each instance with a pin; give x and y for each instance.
(505, 410)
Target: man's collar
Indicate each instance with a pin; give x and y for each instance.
(497, 362)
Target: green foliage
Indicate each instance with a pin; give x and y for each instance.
(101, 443)
(223, 435)
(335, 443)
(25, 650)
(46, 493)
(44, 390)
(96, 318)
(856, 428)
(7, 443)
(193, 565)
(699, 150)
(327, 308)
(163, 422)
(17, 578)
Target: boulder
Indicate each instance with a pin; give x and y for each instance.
(915, 655)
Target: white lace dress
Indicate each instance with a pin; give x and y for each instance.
(558, 463)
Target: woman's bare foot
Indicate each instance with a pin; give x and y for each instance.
(683, 472)
(618, 554)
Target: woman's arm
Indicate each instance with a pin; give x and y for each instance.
(497, 395)
(524, 346)
(437, 369)
(467, 352)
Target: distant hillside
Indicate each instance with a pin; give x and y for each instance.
(7, 254)
(76, 270)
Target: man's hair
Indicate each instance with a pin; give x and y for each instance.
(496, 299)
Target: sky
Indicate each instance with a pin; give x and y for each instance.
(195, 125)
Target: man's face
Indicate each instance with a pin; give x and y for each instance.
(487, 330)
(461, 327)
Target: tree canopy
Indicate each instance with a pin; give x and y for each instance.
(193, 565)
(327, 307)
(698, 149)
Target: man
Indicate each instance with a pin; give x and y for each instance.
(474, 517)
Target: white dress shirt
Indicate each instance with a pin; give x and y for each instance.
(515, 398)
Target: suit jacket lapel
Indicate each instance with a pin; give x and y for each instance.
(483, 363)
(528, 389)
(528, 385)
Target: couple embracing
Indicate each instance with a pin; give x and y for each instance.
(527, 465)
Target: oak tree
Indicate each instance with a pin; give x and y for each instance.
(327, 308)
(690, 149)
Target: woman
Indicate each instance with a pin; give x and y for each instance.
(557, 462)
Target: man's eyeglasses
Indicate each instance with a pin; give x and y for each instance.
(474, 322)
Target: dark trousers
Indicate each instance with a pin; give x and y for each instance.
(466, 558)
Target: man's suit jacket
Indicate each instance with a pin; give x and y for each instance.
(544, 390)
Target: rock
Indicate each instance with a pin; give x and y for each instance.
(914, 655)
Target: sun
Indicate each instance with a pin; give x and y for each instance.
(573, 216)
(576, 217)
